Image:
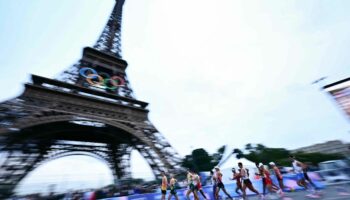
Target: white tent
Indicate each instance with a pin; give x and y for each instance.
(230, 161)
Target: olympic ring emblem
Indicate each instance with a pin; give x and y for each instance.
(101, 79)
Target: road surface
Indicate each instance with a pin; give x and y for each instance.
(336, 192)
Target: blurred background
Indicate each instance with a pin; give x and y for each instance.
(226, 81)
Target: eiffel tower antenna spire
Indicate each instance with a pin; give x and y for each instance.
(110, 39)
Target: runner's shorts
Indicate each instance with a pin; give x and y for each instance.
(173, 191)
(247, 182)
(221, 185)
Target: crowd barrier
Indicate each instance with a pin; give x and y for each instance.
(289, 181)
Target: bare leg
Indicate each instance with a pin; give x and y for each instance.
(214, 191)
(169, 197)
(264, 186)
(271, 188)
(195, 195)
(176, 197)
(275, 187)
(223, 189)
(280, 183)
(307, 178)
(217, 193)
(188, 194)
(243, 191)
(201, 191)
(237, 190)
(251, 188)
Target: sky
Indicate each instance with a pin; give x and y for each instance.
(223, 73)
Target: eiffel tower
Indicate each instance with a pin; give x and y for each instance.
(90, 109)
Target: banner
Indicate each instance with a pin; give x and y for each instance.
(340, 91)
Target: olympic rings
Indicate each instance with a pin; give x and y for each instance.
(83, 70)
(121, 81)
(90, 80)
(101, 79)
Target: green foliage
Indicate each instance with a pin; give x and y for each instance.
(260, 153)
(200, 160)
(316, 158)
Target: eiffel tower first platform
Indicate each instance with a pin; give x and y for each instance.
(89, 110)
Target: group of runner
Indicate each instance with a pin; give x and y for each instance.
(241, 176)
(194, 186)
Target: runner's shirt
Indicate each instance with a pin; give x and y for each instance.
(199, 184)
(219, 177)
(172, 186)
(268, 180)
(190, 181)
(214, 179)
(237, 177)
(277, 173)
(261, 173)
(194, 180)
(220, 184)
(244, 174)
(297, 169)
(164, 183)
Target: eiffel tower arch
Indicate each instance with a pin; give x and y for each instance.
(89, 109)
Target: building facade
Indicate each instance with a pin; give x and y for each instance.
(334, 146)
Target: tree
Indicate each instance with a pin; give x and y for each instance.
(200, 160)
(238, 152)
(248, 147)
(260, 153)
(315, 158)
(187, 162)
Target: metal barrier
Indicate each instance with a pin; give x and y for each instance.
(335, 175)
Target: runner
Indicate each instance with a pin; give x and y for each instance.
(246, 182)
(261, 174)
(298, 170)
(191, 185)
(279, 176)
(305, 169)
(172, 188)
(164, 185)
(214, 182)
(263, 179)
(268, 180)
(220, 184)
(237, 176)
(198, 186)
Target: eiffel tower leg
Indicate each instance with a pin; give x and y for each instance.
(151, 159)
(120, 160)
(18, 162)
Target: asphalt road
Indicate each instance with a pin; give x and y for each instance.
(336, 192)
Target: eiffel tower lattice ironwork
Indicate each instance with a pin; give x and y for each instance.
(90, 110)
